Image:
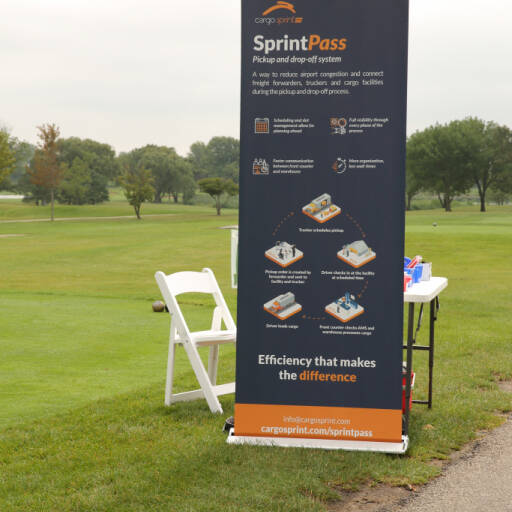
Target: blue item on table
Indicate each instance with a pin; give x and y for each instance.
(417, 272)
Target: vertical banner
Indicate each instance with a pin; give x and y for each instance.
(322, 172)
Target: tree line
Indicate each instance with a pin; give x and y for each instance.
(450, 159)
(78, 171)
(445, 159)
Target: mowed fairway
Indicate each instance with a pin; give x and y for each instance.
(75, 304)
(82, 422)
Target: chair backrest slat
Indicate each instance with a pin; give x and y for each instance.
(189, 282)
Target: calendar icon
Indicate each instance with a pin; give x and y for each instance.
(262, 125)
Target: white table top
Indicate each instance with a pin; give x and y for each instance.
(425, 291)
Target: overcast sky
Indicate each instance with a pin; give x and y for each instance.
(130, 73)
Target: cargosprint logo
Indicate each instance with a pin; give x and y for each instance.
(279, 6)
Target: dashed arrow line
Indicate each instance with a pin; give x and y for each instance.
(358, 226)
(365, 286)
(278, 227)
(305, 317)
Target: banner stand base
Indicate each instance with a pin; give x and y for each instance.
(323, 444)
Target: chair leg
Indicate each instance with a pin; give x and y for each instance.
(213, 363)
(203, 378)
(170, 372)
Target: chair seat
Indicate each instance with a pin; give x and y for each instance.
(208, 337)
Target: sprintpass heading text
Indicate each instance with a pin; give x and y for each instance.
(304, 44)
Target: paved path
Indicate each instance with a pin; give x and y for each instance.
(118, 217)
(480, 481)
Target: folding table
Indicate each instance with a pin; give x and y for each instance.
(421, 293)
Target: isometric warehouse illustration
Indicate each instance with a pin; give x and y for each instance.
(284, 254)
(283, 306)
(321, 209)
(345, 308)
(356, 254)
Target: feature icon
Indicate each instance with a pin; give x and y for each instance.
(284, 254)
(262, 125)
(321, 209)
(283, 306)
(345, 308)
(260, 166)
(338, 125)
(356, 254)
(340, 166)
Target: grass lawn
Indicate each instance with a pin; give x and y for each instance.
(82, 425)
(15, 209)
(75, 304)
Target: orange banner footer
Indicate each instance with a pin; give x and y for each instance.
(312, 422)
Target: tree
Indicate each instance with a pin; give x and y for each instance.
(449, 158)
(30, 191)
(412, 181)
(138, 187)
(197, 159)
(188, 189)
(161, 161)
(46, 171)
(7, 158)
(183, 182)
(217, 188)
(486, 152)
(219, 158)
(75, 185)
(436, 154)
(222, 157)
(500, 197)
(23, 153)
(172, 173)
(98, 161)
(232, 170)
(501, 187)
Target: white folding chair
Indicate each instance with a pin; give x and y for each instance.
(197, 282)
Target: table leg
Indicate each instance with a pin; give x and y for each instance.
(431, 351)
(410, 334)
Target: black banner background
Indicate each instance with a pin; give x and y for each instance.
(371, 202)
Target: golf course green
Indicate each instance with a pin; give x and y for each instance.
(82, 368)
